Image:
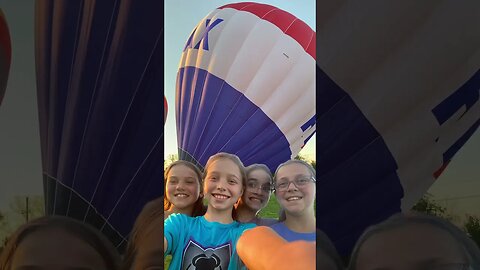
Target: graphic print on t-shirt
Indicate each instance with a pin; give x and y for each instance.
(197, 257)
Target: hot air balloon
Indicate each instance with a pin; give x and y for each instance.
(246, 85)
(398, 96)
(99, 71)
(5, 54)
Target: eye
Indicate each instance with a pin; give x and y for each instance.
(302, 181)
(282, 184)
(172, 181)
(232, 181)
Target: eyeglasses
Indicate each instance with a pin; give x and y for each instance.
(254, 186)
(299, 182)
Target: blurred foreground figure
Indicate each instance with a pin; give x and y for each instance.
(56, 242)
(144, 250)
(414, 241)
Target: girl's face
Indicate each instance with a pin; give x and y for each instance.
(54, 248)
(183, 186)
(223, 184)
(257, 192)
(295, 199)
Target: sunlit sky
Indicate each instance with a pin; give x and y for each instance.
(181, 17)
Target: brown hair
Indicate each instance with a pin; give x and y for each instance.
(198, 207)
(151, 211)
(82, 231)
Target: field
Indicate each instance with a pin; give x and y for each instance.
(270, 211)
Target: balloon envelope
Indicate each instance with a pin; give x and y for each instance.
(246, 85)
(397, 98)
(99, 84)
(5, 54)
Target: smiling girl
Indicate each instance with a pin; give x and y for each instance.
(256, 196)
(183, 189)
(295, 191)
(209, 241)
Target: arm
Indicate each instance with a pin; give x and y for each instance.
(165, 244)
(263, 249)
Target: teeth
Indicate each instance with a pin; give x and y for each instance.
(258, 200)
(181, 195)
(293, 198)
(218, 196)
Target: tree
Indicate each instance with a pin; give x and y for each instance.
(170, 159)
(472, 228)
(303, 158)
(429, 206)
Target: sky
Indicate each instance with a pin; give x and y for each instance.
(20, 165)
(181, 17)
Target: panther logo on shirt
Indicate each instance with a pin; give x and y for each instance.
(197, 257)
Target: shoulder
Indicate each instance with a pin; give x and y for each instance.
(178, 218)
(267, 221)
(245, 226)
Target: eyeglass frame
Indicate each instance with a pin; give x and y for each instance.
(257, 186)
(311, 179)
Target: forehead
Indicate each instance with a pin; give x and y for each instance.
(224, 166)
(182, 170)
(292, 169)
(410, 245)
(258, 175)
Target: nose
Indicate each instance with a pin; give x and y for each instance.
(220, 185)
(180, 186)
(291, 184)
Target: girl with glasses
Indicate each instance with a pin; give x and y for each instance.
(295, 190)
(209, 241)
(256, 196)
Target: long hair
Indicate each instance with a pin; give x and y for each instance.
(150, 213)
(82, 231)
(198, 207)
(469, 247)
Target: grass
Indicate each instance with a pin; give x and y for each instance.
(270, 211)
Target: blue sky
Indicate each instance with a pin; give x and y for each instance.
(181, 17)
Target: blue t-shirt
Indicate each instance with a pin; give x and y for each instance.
(290, 235)
(196, 243)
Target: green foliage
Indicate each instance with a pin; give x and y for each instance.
(429, 206)
(170, 159)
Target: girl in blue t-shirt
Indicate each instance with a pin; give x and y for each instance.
(209, 241)
(183, 190)
(294, 183)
